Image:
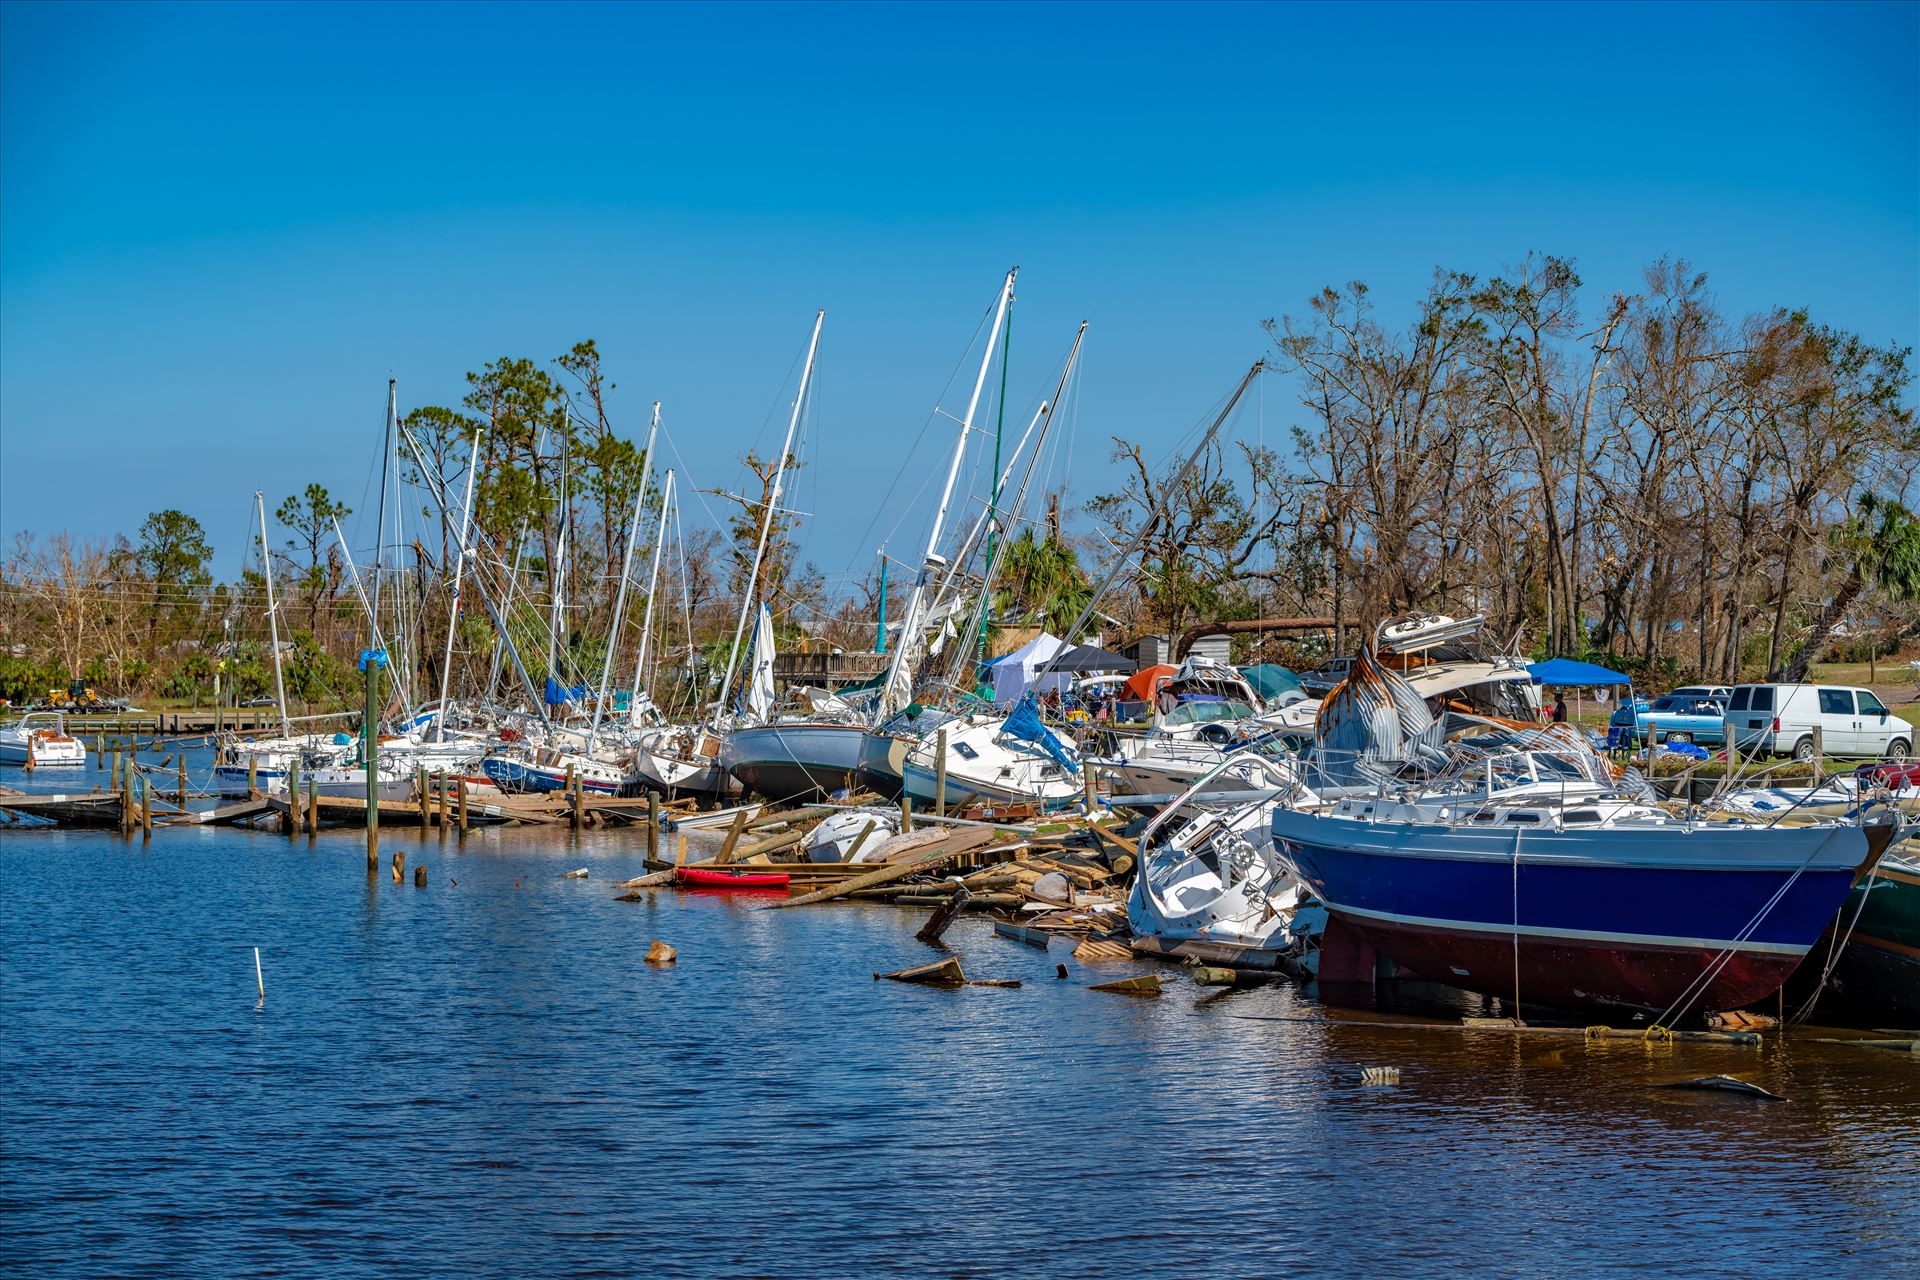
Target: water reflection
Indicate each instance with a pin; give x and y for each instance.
(483, 1076)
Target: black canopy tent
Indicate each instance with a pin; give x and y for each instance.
(1088, 658)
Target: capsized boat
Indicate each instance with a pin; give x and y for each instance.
(1208, 870)
(1517, 863)
(40, 740)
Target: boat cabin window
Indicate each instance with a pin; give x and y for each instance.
(1523, 817)
(1582, 815)
(963, 750)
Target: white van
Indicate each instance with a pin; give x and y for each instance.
(1765, 719)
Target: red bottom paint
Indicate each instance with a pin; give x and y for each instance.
(1579, 975)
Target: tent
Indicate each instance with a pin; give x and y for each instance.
(1090, 657)
(1147, 681)
(1569, 673)
(1013, 674)
(1270, 680)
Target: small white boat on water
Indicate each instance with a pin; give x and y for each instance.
(1209, 873)
(40, 740)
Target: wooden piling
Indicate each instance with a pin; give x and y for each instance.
(399, 865)
(420, 876)
(253, 779)
(99, 751)
(573, 796)
(906, 813)
(653, 825)
(441, 789)
(313, 805)
(183, 779)
(940, 774)
(463, 808)
(733, 838)
(146, 809)
(424, 800)
(293, 796)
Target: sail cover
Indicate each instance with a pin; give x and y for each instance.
(760, 667)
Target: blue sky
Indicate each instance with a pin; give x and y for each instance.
(223, 228)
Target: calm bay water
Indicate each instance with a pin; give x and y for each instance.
(482, 1077)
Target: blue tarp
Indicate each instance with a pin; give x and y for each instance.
(1573, 674)
(1025, 725)
(558, 695)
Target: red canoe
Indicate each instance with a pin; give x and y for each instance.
(702, 878)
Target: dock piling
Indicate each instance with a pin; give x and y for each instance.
(940, 774)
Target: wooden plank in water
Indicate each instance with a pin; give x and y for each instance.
(941, 973)
(1021, 933)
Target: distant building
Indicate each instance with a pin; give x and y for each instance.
(1150, 650)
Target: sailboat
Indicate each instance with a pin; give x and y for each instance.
(813, 752)
(802, 755)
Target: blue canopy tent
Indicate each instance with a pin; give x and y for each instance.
(1570, 673)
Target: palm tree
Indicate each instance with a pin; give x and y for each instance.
(1879, 546)
(1042, 579)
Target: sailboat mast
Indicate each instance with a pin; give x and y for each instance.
(773, 507)
(995, 548)
(1148, 526)
(273, 622)
(653, 584)
(880, 627)
(459, 571)
(884, 705)
(626, 571)
(386, 467)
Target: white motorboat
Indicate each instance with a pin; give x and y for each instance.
(40, 740)
(1208, 870)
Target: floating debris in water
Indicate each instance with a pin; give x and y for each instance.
(581, 874)
(661, 953)
(1728, 1083)
(1380, 1075)
(941, 973)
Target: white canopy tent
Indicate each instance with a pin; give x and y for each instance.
(1014, 674)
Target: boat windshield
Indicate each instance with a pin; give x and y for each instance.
(1206, 712)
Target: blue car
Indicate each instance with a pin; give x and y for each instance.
(1682, 716)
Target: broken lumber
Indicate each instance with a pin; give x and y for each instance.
(943, 916)
(941, 973)
(923, 860)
